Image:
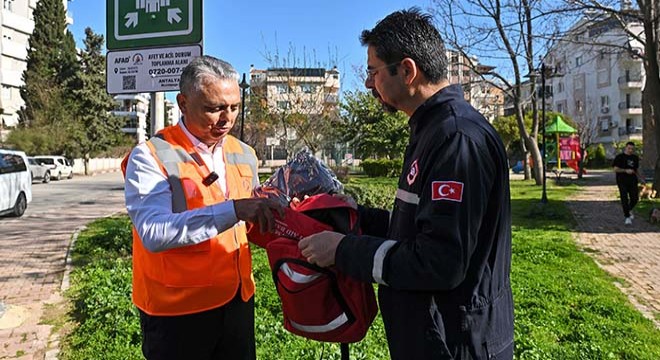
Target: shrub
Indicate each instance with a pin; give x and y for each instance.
(376, 193)
(382, 167)
(596, 156)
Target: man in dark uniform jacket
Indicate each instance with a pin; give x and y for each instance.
(625, 166)
(443, 258)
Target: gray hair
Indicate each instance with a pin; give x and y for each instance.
(201, 68)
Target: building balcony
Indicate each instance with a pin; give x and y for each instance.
(630, 82)
(11, 77)
(630, 133)
(17, 22)
(630, 130)
(14, 49)
(630, 109)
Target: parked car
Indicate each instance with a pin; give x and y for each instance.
(39, 172)
(15, 183)
(59, 166)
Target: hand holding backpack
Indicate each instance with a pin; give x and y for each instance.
(317, 303)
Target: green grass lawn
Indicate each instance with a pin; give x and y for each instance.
(565, 306)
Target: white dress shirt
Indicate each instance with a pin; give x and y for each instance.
(149, 201)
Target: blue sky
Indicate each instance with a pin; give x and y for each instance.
(241, 32)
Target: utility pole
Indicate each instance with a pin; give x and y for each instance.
(157, 108)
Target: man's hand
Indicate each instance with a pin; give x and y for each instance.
(258, 211)
(630, 171)
(320, 248)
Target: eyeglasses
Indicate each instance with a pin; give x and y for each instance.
(373, 71)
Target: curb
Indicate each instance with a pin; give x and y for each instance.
(53, 347)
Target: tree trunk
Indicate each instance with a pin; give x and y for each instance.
(651, 94)
(581, 162)
(537, 159)
(86, 164)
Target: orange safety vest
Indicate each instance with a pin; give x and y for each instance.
(204, 276)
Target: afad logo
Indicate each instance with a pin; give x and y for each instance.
(447, 190)
(137, 59)
(413, 172)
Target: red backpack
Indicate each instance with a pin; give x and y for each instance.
(317, 303)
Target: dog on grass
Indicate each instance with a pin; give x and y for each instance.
(655, 216)
(646, 191)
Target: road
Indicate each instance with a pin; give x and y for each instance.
(33, 250)
(79, 192)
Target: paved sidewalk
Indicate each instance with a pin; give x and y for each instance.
(628, 252)
(32, 262)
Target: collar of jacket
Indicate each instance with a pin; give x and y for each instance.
(419, 119)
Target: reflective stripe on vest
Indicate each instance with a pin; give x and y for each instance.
(244, 158)
(170, 157)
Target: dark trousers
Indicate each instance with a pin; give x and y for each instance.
(629, 196)
(224, 333)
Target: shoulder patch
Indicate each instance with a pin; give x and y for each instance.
(447, 190)
(413, 172)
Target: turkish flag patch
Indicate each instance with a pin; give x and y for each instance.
(447, 190)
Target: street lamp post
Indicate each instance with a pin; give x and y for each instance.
(544, 195)
(244, 86)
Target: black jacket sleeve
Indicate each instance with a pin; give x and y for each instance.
(446, 232)
(373, 222)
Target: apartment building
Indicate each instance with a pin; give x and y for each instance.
(16, 26)
(309, 91)
(133, 107)
(598, 79)
(172, 113)
(485, 97)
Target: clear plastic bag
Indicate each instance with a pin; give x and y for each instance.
(302, 176)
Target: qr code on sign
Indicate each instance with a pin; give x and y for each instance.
(128, 82)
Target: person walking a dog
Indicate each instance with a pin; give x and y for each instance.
(626, 167)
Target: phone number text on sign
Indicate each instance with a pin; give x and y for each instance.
(148, 70)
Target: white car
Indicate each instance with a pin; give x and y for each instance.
(15, 182)
(59, 166)
(39, 172)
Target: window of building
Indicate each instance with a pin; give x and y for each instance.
(282, 88)
(603, 76)
(7, 4)
(560, 87)
(560, 108)
(605, 104)
(578, 106)
(604, 125)
(284, 105)
(578, 61)
(308, 88)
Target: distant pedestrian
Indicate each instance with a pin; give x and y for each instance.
(626, 167)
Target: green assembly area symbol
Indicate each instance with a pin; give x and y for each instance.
(144, 23)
